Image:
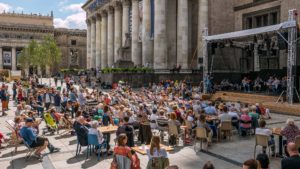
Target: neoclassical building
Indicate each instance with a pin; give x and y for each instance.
(158, 33)
(17, 30)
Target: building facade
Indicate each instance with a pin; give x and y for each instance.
(163, 33)
(18, 30)
(159, 33)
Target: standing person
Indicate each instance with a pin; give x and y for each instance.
(57, 101)
(81, 99)
(4, 99)
(55, 80)
(293, 161)
(14, 88)
(47, 99)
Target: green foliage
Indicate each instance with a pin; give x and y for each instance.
(43, 54)
(127, 70)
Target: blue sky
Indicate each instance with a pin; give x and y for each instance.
(67, 13)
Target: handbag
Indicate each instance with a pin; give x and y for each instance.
(114, 163)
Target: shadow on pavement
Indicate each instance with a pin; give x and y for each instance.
(22, 162)
(11, 154)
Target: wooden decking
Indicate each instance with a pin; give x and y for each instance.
(267, 101)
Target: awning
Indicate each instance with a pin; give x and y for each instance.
(251, 32)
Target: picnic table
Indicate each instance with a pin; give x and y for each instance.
(143, 149)
(277, 131)
(108, 129)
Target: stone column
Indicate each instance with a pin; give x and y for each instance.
(147, 42)
(160, 46)
(88, 43)
(98, 41)
(118, 30)
(1, 58)
(136, 52)
(182, 34)
(256, 58)
(103, 39)
(93, 42)
(13, 59)
(110, 37)
(202, 23)
(125, 20)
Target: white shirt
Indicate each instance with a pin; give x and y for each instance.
(263, 131)
(98, 133)
(153, 117)
(233, 114)
(225, 117)
(162, 153)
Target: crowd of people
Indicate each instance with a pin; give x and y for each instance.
(273, 85)
(139, 114)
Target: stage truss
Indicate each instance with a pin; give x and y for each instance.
(290, 25)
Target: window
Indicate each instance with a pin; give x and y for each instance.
(73, 42)
(261, 18)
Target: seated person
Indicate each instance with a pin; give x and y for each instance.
(155, 149)
(210, 109)
(290, 132)
(251, 164)
(263, 112)
(81, 130)
(201, 123)
(123, 150)
(93, 130)
(245, 121)
(156, 153)
(153, 118)
(262, 130)
(293, 161)
(35, 141)
(173, 121)
(128, 130)
(263, 160)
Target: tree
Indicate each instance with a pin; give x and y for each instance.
(41, 55)
(50, 52)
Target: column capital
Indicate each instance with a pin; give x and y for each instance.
(103, 13)
(126, 3)
(117, 5)
(98, 17)
(110, 9)
(88, 21)
(93, 19)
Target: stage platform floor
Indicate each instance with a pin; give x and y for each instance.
(252, 98)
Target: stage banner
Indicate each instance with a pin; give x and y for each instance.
(141, 21)
(152, 18)
(6, 58)
(18, 53)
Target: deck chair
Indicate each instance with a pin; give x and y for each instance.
(15, 139)
(51, 124)
(30, 151)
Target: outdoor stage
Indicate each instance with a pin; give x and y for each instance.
(267, 101)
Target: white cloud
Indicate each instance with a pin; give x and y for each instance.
(63, 2)
(19, 9)
(4, 7)
(72, 8)
(74, 21)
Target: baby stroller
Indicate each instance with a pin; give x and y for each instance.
(51, 125)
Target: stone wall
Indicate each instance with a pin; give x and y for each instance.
(143, 79)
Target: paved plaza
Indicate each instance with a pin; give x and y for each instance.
(229, 154)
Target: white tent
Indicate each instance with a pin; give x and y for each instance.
(251, 32)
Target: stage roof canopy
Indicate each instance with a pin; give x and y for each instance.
(251, 32)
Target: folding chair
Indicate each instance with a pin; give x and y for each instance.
(262, 140)
(200, 136)
(173, 130)
(93, 143)
(226, 128)
(30, 152)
